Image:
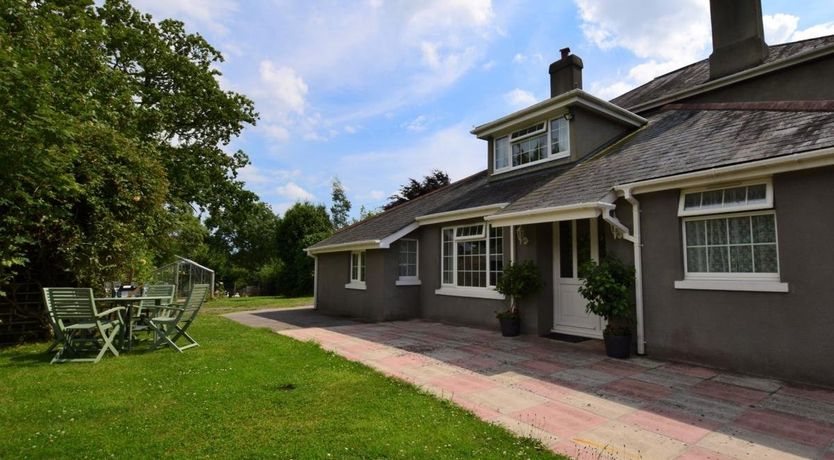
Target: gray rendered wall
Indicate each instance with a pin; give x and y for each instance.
(537, 311)
(785, 335)
(400, 302)
(334, 298)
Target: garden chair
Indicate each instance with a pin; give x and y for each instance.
(78, 325)
(147, 308)
(174, 320)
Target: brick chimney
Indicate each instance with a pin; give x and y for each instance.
(566, 73)
(737, 36)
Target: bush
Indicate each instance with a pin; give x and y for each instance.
(607, 286)
(518, 282)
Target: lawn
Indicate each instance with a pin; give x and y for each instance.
(245, 393)
(230, 304)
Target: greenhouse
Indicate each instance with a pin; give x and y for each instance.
(184, 274)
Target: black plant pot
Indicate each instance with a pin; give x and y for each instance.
(510, 327)
(618, 346)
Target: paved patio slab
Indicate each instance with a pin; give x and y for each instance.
(573, 398)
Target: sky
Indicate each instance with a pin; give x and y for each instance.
(377, 91)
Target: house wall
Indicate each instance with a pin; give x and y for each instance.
(785, 335)
(797, 83)
(537, 311)
(334, 298)
(400, 302)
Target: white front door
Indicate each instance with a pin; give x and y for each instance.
(574, 242)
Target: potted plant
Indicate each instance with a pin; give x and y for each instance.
(517, 282)
(607, 286)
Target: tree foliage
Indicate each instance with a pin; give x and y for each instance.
(414, 188)
(607, 286)
(518, 282)
(303, 225)
(340, 207)
(113, 135)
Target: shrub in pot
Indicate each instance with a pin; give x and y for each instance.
(517, 282)
(607, 286)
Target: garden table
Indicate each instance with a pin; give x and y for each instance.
(129, 303)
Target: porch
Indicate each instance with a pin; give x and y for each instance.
(577, 401)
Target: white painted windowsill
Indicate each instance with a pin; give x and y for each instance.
(733, 285)
(408, 282)
(356, 285)
(479, 293)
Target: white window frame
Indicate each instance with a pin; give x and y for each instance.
(761, 282)
(767, 204)
(549, 156)
(452, 289)
(410, 280)
(361, 269)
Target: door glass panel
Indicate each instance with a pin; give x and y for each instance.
(583, 241)
(565, 250)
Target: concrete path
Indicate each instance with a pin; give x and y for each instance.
(577, 401)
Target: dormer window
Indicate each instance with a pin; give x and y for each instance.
(536, 143)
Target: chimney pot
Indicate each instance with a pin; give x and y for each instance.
(566, 73)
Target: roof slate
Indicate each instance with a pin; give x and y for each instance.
(698, 73)
(680, 141)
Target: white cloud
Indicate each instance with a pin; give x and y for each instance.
(283, 86)
(419, 124)
(488, 65)
(519, 58)
(294, 192)
(664, 35)
(782, 28)
(519, 98)
(376, 195)
(205, 13)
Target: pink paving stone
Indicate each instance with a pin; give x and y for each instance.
(542, 366)
(736, 394)
(463, 383)
(787, 426)
(681, 428)
(642, 391)
(699, 453)
(406, 360)
(621, 369)
(692, 371)
(482, 412)
(559, 419)
(544, 388)
(818, 394)
(476, 349)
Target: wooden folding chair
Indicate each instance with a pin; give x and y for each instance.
(79, 326)
(174, 320)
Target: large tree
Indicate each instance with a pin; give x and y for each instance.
(112, 138)
(340, 205)
(415, 188)
(303, 225)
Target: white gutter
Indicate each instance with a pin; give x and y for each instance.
(315, 282)
(754, 169)
(460, 214)
(352, 246)
(552, 214)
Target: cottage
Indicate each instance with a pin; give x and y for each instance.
(716, 181)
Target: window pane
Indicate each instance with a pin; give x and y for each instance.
(448, 256)
(718, 259)
(502, 153)
(559, 138)
(696, 233)
(565, 249)
(692, 200)
(712, 198)
(583, 241)
(765, 258)
(529, 150)
(735, 196)
(696, 259)
(717, 231)
(764, 229)
(757, 193)
(741, 259)
(739, 230)
(496, 254)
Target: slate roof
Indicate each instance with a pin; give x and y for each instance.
(680, 141)
(698, 73)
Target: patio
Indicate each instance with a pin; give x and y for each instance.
(573, 398)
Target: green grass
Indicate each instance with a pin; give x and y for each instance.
(245, 393)
(228, 305)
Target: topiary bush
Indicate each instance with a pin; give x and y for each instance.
(518, 282)
(608, 286)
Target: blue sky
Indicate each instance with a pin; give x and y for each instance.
(376, 91)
